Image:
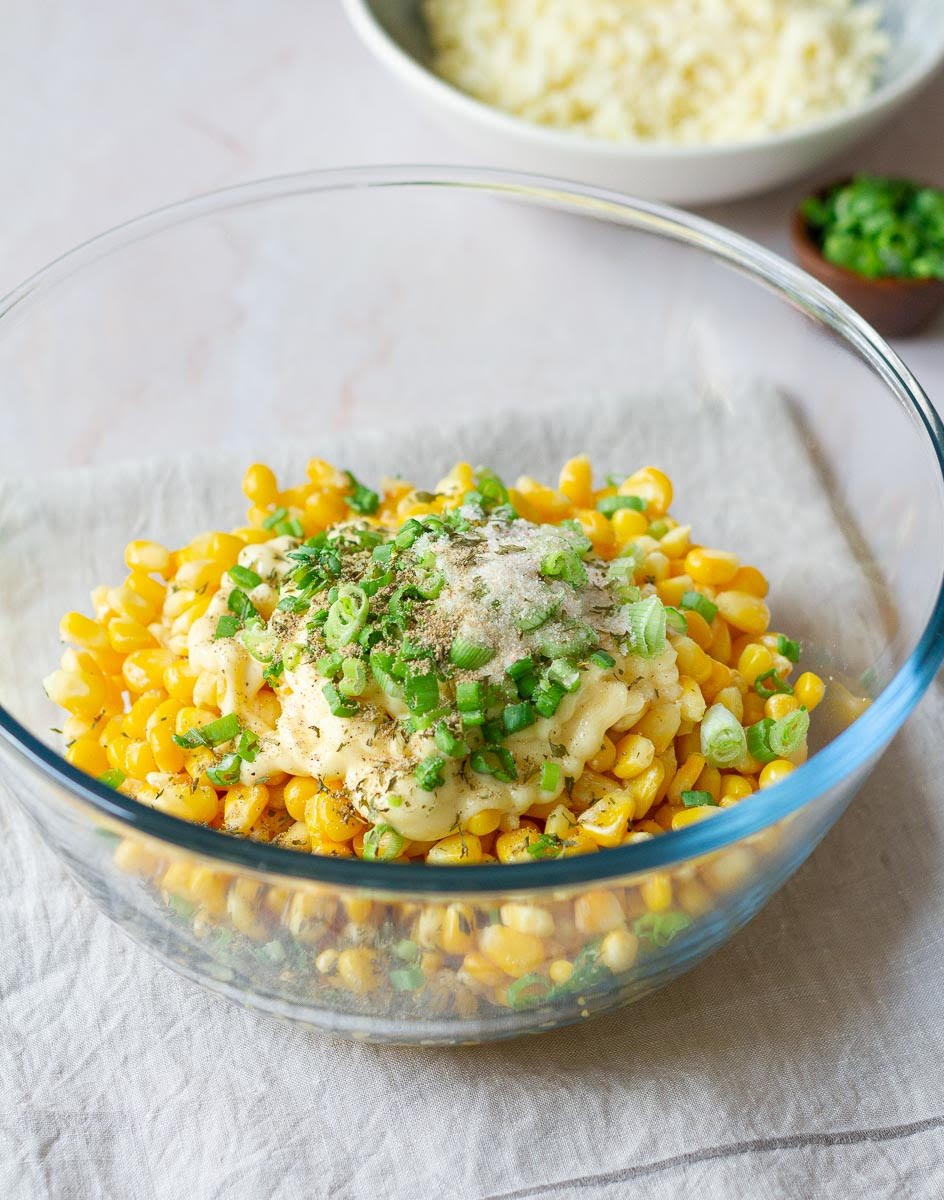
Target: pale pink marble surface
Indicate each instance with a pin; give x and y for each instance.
(113, 109)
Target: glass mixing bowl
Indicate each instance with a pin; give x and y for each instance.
(383, 303)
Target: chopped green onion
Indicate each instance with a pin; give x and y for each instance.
(700, 604)
(346, 616)
(382, 841)
(572, 642)
(527, 685)
(528, 991)
(789, 649)
(394, 801)
(723, 740)
(244, 577)
(468, 656)
(248, 746)
(658, 530)
(565, 564)
(381, 667)
(225, 773)
(495, 761)
(786, 735)
(407, 950)
(550, 776)
(516, 717)
(565, 673)
(353, 678)
(578, 539)
(293, 604)
(223, 729)
(519, 668)
(274, 518)
(112, 778)
(646, 620)
(409, 532)
(448, 743)
(406, 979)
(290, 528)
(226, 626)
(240, 605)
(697, 799)
(547, 698)
(329, 665)
(470, 695)
(260, 643)
(361, 499)
(429, 773)
(675, 620)
(661, 928)
(383, 552)
(292, 655)
(273, 672)
(490, 487)
(758, 741)
(493, 732)
(335, 702)
(775, 687)
(540, 614)
(603, 659)
(611, 504)
(421, 692)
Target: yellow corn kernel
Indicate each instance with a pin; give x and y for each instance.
(87, 754)
(618, 950)
(685, 777)
(728, 870)
(699, 630)
(774, 772)
(694, 898)
(742, 610)
(357, 970)
(656, 892)
(75, 727)
(515, 953)
(198, 576)
(297, 792)
(709, 780)
(513, 846)
(137, 717)
(481, 970)
(672, 590)
(143, 670)
(753, 709)
(134, 859)
(597, 528)
(126, 635)
(328, 849)
(139, 761)
(206, 689)
(324, 475)
(576, 482)
(578, 841)
(484, 822)
(731, 699)
(634, 754)
(809, 690)
(528, 918)
(457, 933)
(260, 485)
(590, 787)
(779, 706)
(560, 822)
(691, 816)
(677, 542)
(628, 524)
(651, 485)
(749, 579)
(660, 725)
(458, 849)
(83, 631)
(538, 503)
(126, 602)
(692, 660)
(735, 787)
(692, 703)
(179, 680)
(714, 567)
(332, 816)
(251, 537)
(560, 970)
(608, 820)
(604, 758)
(322, 510)
(192, 718)
(645, 788)
(151, 590)
(79, 693)
(147, 557)
(244, 908)
(458, 481)
(598, 911)
(243, 805)
(208, 888)
(160, 737)
(754, 661)
(198, 761)
(188, 799)
(721, 640)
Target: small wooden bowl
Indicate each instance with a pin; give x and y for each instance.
(895, 307)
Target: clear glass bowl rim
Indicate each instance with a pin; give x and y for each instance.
(832, 765)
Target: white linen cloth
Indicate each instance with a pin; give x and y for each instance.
(804, 1059)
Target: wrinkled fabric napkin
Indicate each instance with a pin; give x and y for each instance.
(806, 1058)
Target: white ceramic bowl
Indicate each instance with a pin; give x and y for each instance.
(393, 31)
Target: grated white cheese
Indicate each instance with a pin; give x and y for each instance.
(688, 71)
